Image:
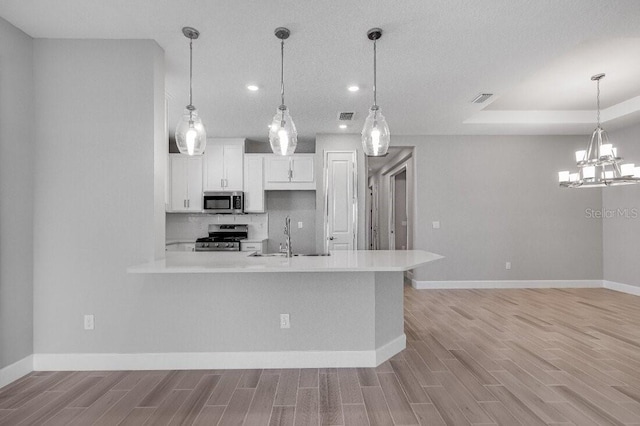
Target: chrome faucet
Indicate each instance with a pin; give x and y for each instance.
(287, 231)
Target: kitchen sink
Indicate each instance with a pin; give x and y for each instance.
(256, 254)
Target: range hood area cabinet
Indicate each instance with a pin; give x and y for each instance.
(185, 188)
(223, 165)
(293, 172)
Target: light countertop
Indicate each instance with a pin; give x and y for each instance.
(339, 261)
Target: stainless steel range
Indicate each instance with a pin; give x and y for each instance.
(223, 238)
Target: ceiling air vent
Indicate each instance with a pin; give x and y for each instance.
(481, 98)
(346, 116)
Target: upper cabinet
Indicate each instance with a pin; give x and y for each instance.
(254, 183)
(290, 172)
(223, 165)
(185, 183)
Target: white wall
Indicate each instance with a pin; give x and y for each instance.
(97, 138)
(498, 200)
(621, 227)
(16, 193)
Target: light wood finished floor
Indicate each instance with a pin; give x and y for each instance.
(507, 357)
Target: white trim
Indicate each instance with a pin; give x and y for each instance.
(218, 360)
(13, 372)
(624, 288)
(391, 348)
(424, 285)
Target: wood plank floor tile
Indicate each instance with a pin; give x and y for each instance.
(209, 415)
(376, 406)
(308, 378)
(307, 407)
(282, 415)
(499, 413)
(262, 403)
(330, 406)
(350, 392)
(223, 391)
(237, 409)
(287, 387)
(463, 399)
(168, 408)
(99, 407)
(355, 415)
(191, 407)
(64, 417)
(427, 415)
(399, 407)
(137, 416)
(409, 382)
(446, 406)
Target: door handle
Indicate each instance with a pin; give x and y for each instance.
(188, 203)
(331, 238)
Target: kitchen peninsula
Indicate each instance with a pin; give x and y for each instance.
(345, 310)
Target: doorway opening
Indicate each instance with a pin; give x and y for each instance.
(391, 200)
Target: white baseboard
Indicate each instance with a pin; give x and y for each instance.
(218, 360)
(391, 348)
(13, 372)
(625, 288)
(424, 285)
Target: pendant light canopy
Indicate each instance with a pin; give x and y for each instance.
(375, 134)
(599, 165)
(191, 136)
(283, 135)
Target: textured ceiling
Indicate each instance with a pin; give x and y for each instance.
(434, 57)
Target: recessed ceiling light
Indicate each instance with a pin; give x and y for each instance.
(253, 87)
(343, 126)
(353, 88)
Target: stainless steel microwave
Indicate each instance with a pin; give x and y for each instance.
(224, 202)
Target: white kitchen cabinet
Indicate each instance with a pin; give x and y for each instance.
(290, 172)
(185, 183)
(254, 183)
(223, 165)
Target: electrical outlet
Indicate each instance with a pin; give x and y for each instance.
(436, 225)
(507, 265)
(299, 225)
(89, 322)
(284, 321)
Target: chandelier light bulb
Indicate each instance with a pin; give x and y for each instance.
(627, 169)
(563, 176)
(580, 155)
(588, 172)
(606, 150)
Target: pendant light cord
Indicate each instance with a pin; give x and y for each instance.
(190, 72)
(598, 101)
(282, 71)
(375, 98)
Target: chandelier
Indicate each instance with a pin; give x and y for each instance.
(599, 165)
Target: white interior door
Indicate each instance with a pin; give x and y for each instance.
(341, 202)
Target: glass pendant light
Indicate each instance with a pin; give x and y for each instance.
(191, 136)
(599, 165)
(375, 134)
(283, 135)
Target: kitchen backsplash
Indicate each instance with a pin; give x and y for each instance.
(189, 227)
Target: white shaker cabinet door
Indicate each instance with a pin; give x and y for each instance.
(233, 162)
(278, 169)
